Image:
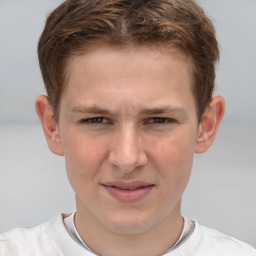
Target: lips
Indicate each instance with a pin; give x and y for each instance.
(128, 192)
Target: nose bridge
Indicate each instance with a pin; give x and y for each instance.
(127, 152)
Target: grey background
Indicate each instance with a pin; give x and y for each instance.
(33, 184)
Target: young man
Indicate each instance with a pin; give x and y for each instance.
(129, 101)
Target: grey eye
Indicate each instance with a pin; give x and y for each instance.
(94, 120)
(159, 120)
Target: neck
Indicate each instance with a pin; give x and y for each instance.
(153, 241)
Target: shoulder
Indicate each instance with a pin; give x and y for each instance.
(27, 241)
(221, 244)
(206, 241)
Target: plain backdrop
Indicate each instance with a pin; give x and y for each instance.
(33, 184)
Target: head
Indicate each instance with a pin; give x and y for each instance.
(129, 102)
(77, 26)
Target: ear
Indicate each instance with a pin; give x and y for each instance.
(49, 124)
(209, 124)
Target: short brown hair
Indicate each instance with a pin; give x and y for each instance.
(77, 24)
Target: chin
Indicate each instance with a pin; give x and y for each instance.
(129, 224)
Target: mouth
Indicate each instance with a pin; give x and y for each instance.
(128, 192)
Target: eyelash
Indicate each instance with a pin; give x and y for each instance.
(102, 120)
(161, 120)
(95, 120)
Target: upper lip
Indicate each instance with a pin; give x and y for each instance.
(127, 185)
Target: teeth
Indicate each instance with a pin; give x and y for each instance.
(133, 188)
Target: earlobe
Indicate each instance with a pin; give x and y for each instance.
(209, 124)
(49, 124)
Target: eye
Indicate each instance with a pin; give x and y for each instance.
(95, 120)
(160, 120)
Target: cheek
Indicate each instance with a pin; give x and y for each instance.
(173, 157)
(177, 148)
(84, 158)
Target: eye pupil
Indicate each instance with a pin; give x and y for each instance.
(94, 120)
(159, 120)
(97, 120)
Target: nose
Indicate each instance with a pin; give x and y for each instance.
(127, 153)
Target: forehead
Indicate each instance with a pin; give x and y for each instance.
(133, 60)
(140, 74)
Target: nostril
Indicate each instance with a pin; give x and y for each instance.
(128, 164)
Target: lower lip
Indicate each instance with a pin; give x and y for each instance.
(126, 195)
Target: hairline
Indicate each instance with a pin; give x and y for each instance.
(162, 46)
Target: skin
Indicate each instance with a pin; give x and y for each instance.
(135, 122)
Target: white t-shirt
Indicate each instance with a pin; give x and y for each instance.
(52, 239)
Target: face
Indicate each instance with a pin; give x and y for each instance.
(128, 127)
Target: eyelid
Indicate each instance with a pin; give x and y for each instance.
(100, 120)
(160, 120)
(93, 120)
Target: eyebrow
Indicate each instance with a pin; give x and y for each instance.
(161, 110)
(147, 111)
(91, 110)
